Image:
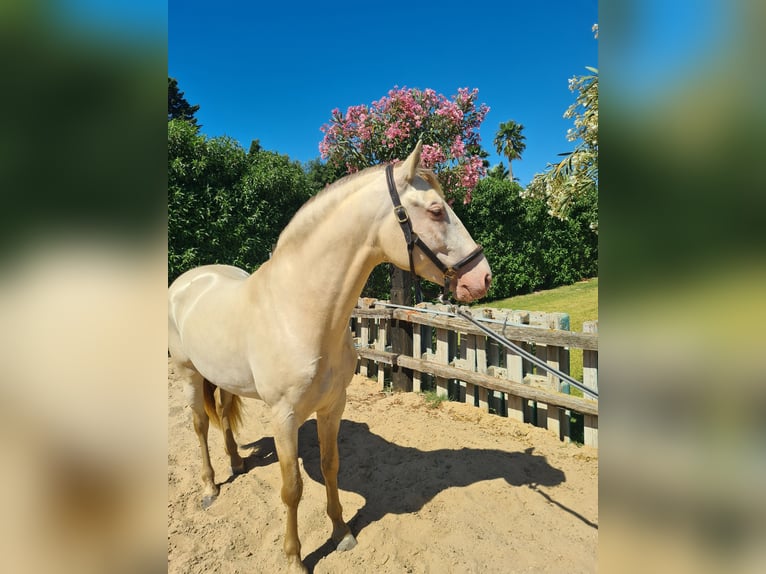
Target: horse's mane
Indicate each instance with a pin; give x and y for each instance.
(316, 207)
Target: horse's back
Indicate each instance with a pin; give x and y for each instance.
(196, 283)
(208, 271)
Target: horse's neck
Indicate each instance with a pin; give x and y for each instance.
(325, 273)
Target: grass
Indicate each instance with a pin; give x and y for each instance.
(580, 301)
(433, 400)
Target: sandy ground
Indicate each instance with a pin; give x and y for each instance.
(442, 490)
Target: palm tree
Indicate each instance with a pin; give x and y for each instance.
(509, 142)
(498, 172)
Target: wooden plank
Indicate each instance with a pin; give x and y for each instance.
(590, 430)
(470, 356)
(566, 425)
(515, 367)
(542, 414)
(554, 420)
(380, 345)
(590, 380)
(483, 399)
(365, 336)
(541, 335)
(590, 359)
(493, 354)
(385, 357)
(442, 357)
(552, 359)
(372, 313)
(541, 352)
(481, 354)
(417, 345)
(582, 405)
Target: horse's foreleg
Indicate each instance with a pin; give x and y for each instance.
(196, 400)
(286, 441)
(225, 415)
(328, 425)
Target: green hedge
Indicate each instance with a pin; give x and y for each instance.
(226, 206)
(527, 248)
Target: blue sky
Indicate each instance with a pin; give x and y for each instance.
(274, 71)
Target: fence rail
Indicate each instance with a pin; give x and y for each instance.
(459, 361)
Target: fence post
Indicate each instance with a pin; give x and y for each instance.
(442, 357)
(514, 366)
(558, 358)
(481, 367)
(590, 380)
(380, 345)
(470, 355)
(365, 342)
(401, 331)
(417, 350)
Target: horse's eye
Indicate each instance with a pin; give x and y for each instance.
(436, 211)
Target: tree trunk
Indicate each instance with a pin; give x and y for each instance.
(401, 333)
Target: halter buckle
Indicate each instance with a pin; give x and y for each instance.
(401, 214)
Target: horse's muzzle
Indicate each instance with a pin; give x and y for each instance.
(474, 282)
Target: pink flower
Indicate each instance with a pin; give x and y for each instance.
(431, 155)
(381, 130)
(458, 148)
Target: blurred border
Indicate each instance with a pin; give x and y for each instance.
(83, 276)
(683, 196)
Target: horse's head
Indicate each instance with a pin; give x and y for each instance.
(457, 256)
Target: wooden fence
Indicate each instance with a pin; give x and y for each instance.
(457, 360)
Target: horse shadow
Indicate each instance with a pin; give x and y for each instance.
(263, 452)
(406, 478)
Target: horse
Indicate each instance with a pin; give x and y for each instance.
(281, 334)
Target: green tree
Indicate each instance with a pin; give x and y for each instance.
(509, 142)
(226, 206)
(499, 172)
(322, 174)
(178, 107)
(576, 176)
(526, 248)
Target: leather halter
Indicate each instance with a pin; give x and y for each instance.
(413, 240)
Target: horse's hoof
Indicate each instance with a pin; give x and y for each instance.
(295, 566)
(347, 543)
(237, 470)
(208, 500)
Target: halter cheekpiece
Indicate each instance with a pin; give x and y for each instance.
(413, 239)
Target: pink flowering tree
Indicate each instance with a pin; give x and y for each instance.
(388, 129)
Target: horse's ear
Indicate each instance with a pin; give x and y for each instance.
(411, 164)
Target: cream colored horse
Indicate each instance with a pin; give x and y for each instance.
(282, 334)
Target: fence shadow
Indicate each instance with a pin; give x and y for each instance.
(394, 479)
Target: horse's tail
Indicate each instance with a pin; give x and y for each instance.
(211, 402)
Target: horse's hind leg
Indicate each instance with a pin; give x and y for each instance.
(195, 396)
(328, 424)
(227, 416)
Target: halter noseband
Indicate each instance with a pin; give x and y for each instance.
(413, 239)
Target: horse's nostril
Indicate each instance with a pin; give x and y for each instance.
(487, 281)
